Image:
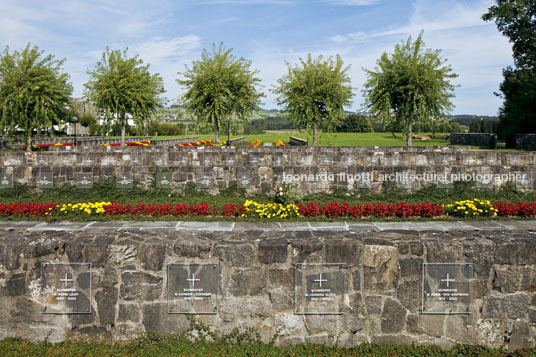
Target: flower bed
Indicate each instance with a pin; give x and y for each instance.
(197, 143)
(46, 146)
(251, 209)
(255, 143)
(131, 143)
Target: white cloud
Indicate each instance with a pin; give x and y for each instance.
(339, 39)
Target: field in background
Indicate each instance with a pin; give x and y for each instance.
(333, 139)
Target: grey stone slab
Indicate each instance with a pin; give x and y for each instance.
(58, 226)
(97, 225)
(335, 226)
(206, 226)
(263, 226)
(531, 224)
(352, 226)
(485, 226)
(18, 225)
(149, 225)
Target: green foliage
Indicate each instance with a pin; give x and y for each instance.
(355, 123)
(177, 345)
(516, 19)
(155, 127)
(287, 194)
(220, 86)
(34, 94)
(409, 87)
(314, 93)
(518, 113)
(121, 86)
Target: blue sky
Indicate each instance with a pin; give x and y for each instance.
(171, 34)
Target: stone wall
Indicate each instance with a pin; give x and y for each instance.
(474, 139)
(313, 170)
(127, 291)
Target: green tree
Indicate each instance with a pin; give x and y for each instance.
(121, 86)
(314, 93)
(516, 19)
(218, 87)
(409, 87)
(34, 94)
(355, 123)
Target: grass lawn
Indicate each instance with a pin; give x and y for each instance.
(332, 139)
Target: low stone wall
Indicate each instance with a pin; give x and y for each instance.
(312, 169)
(372, 293)
(474, 139)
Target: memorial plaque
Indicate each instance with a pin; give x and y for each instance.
(109, 161)
(244, 179)
(88, 160)
(84, 180)
(65, 288)
(45, 180)
(446, 288)
(421, 160)
(403, 182)
(350, 161)
(183, 161)
(513, 160)
(525, 182)
(13, 162)
(124, 180)
(6, 180)
(136, 161)
(163, 180)
(325, 161)
(41, 160)
(204, 181)
(444, 160)
(319, 289)
(230, 161)
(396, 160)
(160, 162)
(485, 182)
(253, 159)
(192, 288)
(444, 180)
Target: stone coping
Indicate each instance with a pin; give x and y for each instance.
(198, 226)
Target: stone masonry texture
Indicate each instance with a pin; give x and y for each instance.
(256, 280)
(317, 169)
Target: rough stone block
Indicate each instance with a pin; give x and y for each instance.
(410, 267)
(373, 304)
(14, 285)
(128, 312)
(460, 328)
(273, 251)
(247, 282)
(152, 257)
(281, 277)
(380, 267)
(192, 247)
(97, 254)
(409, 294)
(393, 316)
(490, 332)
(106, 305)
(520, 336)
(343, 251)
(516, 305)
(157, 319)
(307, 250)
(137, 285)
(236, 254)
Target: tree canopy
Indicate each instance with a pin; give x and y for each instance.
(34, 93)
(410, 86)
(121, 86)
(219, 86)
(314, 93)
(516, 19)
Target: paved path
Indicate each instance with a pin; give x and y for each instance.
(529, 225)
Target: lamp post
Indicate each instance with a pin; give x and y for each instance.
(228, 143)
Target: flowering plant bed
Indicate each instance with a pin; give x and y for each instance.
(46, 146)
(197, 143)
(252, 209)
(131, 143)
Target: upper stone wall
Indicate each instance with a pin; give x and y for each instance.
(317, 169)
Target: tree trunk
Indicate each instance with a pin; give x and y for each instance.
(217, 138)
(410, 134)
(123, 130)
(315, 134)
(29, 143)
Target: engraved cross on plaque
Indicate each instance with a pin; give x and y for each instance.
(193, 280)
(66, 280)
(5, 181)
(448, 280)
(320, 280)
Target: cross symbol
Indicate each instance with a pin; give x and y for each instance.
(66, 280)
(193, 280)
(448, 280)
(320, 280)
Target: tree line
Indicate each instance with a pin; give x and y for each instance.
(408, 89)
